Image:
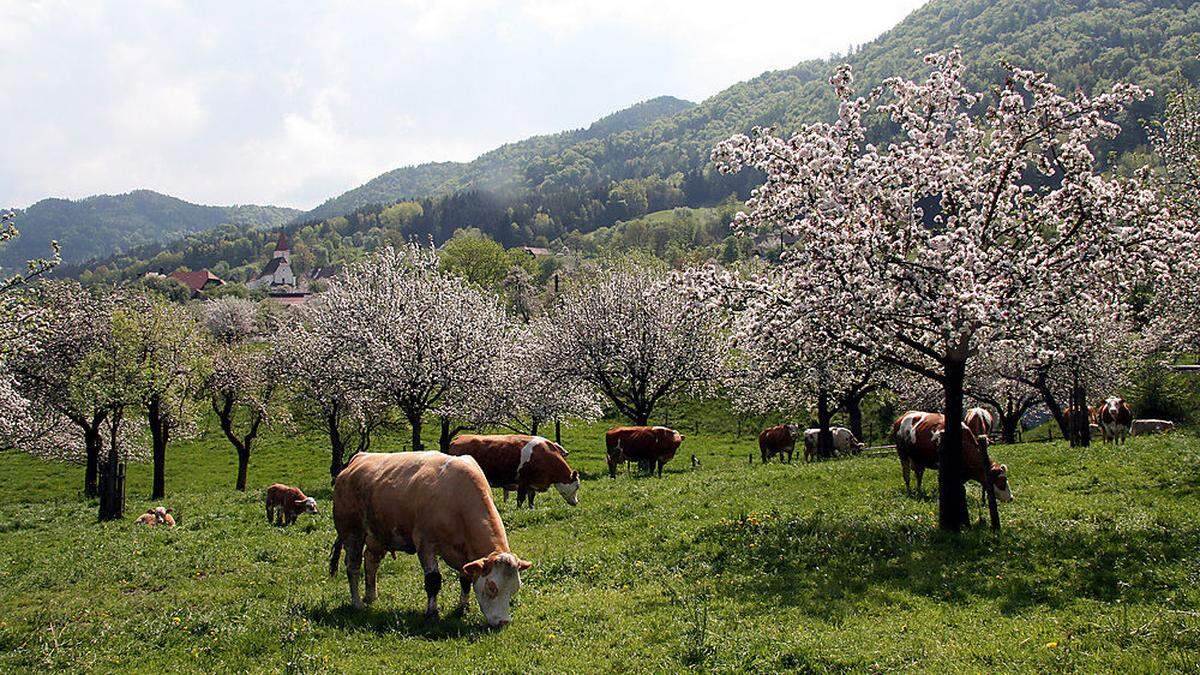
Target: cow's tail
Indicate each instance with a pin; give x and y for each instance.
(334, 556)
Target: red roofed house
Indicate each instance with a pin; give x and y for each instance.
(198, 281)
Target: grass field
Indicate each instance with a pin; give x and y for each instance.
(819, 568)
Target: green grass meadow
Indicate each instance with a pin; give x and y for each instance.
(826, 567)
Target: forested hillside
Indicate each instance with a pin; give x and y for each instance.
(102, 225)
(652, 158)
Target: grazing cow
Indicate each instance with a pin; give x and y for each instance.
(980, 421)
(155, 517)
(527, 464)
(1115, 418)
(777, 440)
(1148, 427)
(285, 502)
(436, 506)
(648, 446)
(844, 442)
(918, 437)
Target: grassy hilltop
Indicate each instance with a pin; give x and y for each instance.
(818, 568)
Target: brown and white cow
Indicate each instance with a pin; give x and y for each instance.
(777, 440)
(527, 464)
(918, 437)
(980, 421)
(285, 503)
(648, 446)
(1149, 427)
(1115, 418)
(436, 506)
(155, 517)
(844, 442)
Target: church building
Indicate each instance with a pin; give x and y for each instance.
(278, 272)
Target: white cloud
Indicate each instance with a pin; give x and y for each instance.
(224, 102)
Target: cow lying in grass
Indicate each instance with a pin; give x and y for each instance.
(285, 503)
(436, 506)
(155, 517)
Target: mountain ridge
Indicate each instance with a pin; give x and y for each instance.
(101, 225)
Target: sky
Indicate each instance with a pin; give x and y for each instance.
(291, 103)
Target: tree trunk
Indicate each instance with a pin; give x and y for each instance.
(112, 486)
(640, 419)
(824, 417)
(557, 432)
(1008, 428)
(444, 437)
(1043, 388)
(414, 422)
(243, 467)
(1080, 432)
(854, 416)
(952, 494)
(337, 446)
(533, 427)
(92, 443)
(158, 438)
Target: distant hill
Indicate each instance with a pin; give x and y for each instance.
(503, 167)
(655, 156)
(107, 224)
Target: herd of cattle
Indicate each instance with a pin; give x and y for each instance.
(439, 506)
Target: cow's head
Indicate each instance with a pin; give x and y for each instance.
(308, 504)
(999, 475)
(613, 454)
(677, 439)
(160, 514)
(570, 490)
(496, 579)
(859, 446)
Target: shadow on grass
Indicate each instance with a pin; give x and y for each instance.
(828, 566)
(410, 622)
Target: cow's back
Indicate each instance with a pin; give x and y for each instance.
(398, 493)
(498, 456)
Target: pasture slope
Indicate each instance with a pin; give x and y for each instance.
(811, 568)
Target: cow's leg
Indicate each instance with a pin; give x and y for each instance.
(904, 469)
(354, 556)
(433, 579)
(530, 493)
(270, 514)
(372, 558)
(505, 495)
(920, 475)
(520, 496)
(464, 598)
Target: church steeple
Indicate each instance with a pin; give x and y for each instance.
(282, 250)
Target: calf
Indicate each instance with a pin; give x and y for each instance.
(918, 437)
(155, 517)
(1115, 418)
(1148, 427)
(648, 446)
(777, 440)
(844, 442)
(285, 502)
(527, 464)
(433, 505)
